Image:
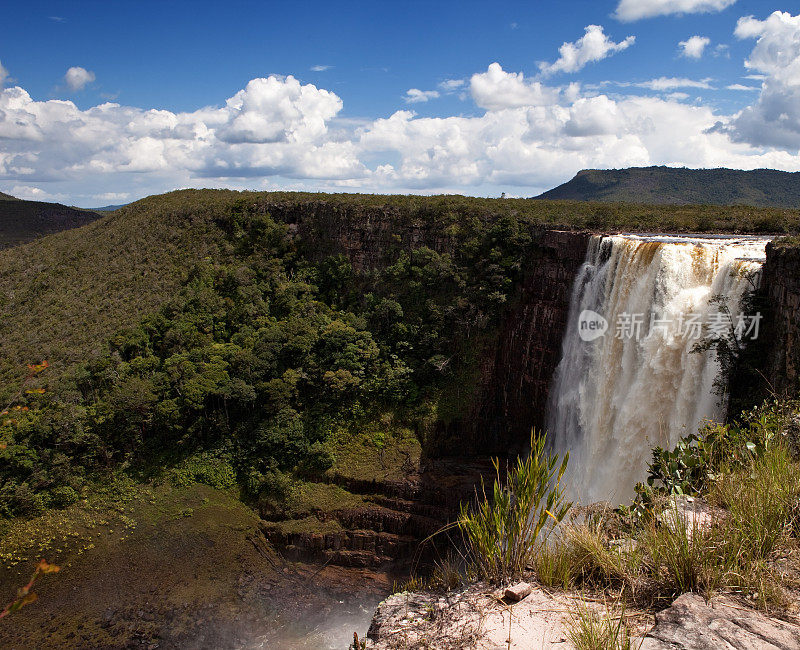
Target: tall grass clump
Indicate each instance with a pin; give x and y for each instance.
(758, 512)
(684, 558)
(556, 565)
(589, 630)
(504, 529)
(762, 505)
(598, 562)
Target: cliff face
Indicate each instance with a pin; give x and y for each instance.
(516, 366)
(367, 235)
(515, 375)
(781, 290)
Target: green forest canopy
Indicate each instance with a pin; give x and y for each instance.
(198, 322)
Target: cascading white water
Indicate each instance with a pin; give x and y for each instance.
(616, 397)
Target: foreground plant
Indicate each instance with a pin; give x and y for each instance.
(504, 530)
(25, 596)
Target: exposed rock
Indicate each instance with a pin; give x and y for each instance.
(475, 617)
(691, 623)
(694, 513)
(516, 372)
(517, 592)
(388, 529)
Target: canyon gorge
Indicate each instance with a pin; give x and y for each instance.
(351, 529)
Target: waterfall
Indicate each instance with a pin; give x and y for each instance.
(615, 397)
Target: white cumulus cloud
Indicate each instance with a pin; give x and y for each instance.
(774, 120)
(533, 135)
(593, 46)
(631, 10)
(274, 126)
(693, 47)
(497, 89)
(3, 74)
(77, 78)
(415, 95)
(521, 134)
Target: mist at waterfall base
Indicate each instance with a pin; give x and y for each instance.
(331, 628)
(616, 397)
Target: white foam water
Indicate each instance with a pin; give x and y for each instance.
(616, 397)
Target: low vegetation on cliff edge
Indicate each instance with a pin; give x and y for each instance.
(719, 514)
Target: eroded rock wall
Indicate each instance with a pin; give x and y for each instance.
(517, 370)
(781, 291)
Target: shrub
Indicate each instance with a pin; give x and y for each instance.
(271, 489)
(208, 468)
(318, 459)
(698, 459)
(63, 496)
(504, 531)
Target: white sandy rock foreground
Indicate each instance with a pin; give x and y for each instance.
(478, 618)
(473, 618)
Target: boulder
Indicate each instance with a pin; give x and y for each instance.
(693, 513)
(691, 623)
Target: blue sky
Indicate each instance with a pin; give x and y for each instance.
(334, 111)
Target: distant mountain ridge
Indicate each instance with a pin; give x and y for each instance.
(682, 186)
(23, 221)
(108, 208)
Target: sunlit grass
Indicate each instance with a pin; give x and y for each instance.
(504, 530)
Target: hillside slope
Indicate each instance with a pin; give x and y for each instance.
(63, 296)
(23, 221)
(681, 186)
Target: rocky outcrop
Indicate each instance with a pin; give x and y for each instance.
(349, 548)
(693, 624)
(475, 617)
(395, 518)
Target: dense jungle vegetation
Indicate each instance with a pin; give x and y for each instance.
(258, 357)
(196, 328)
